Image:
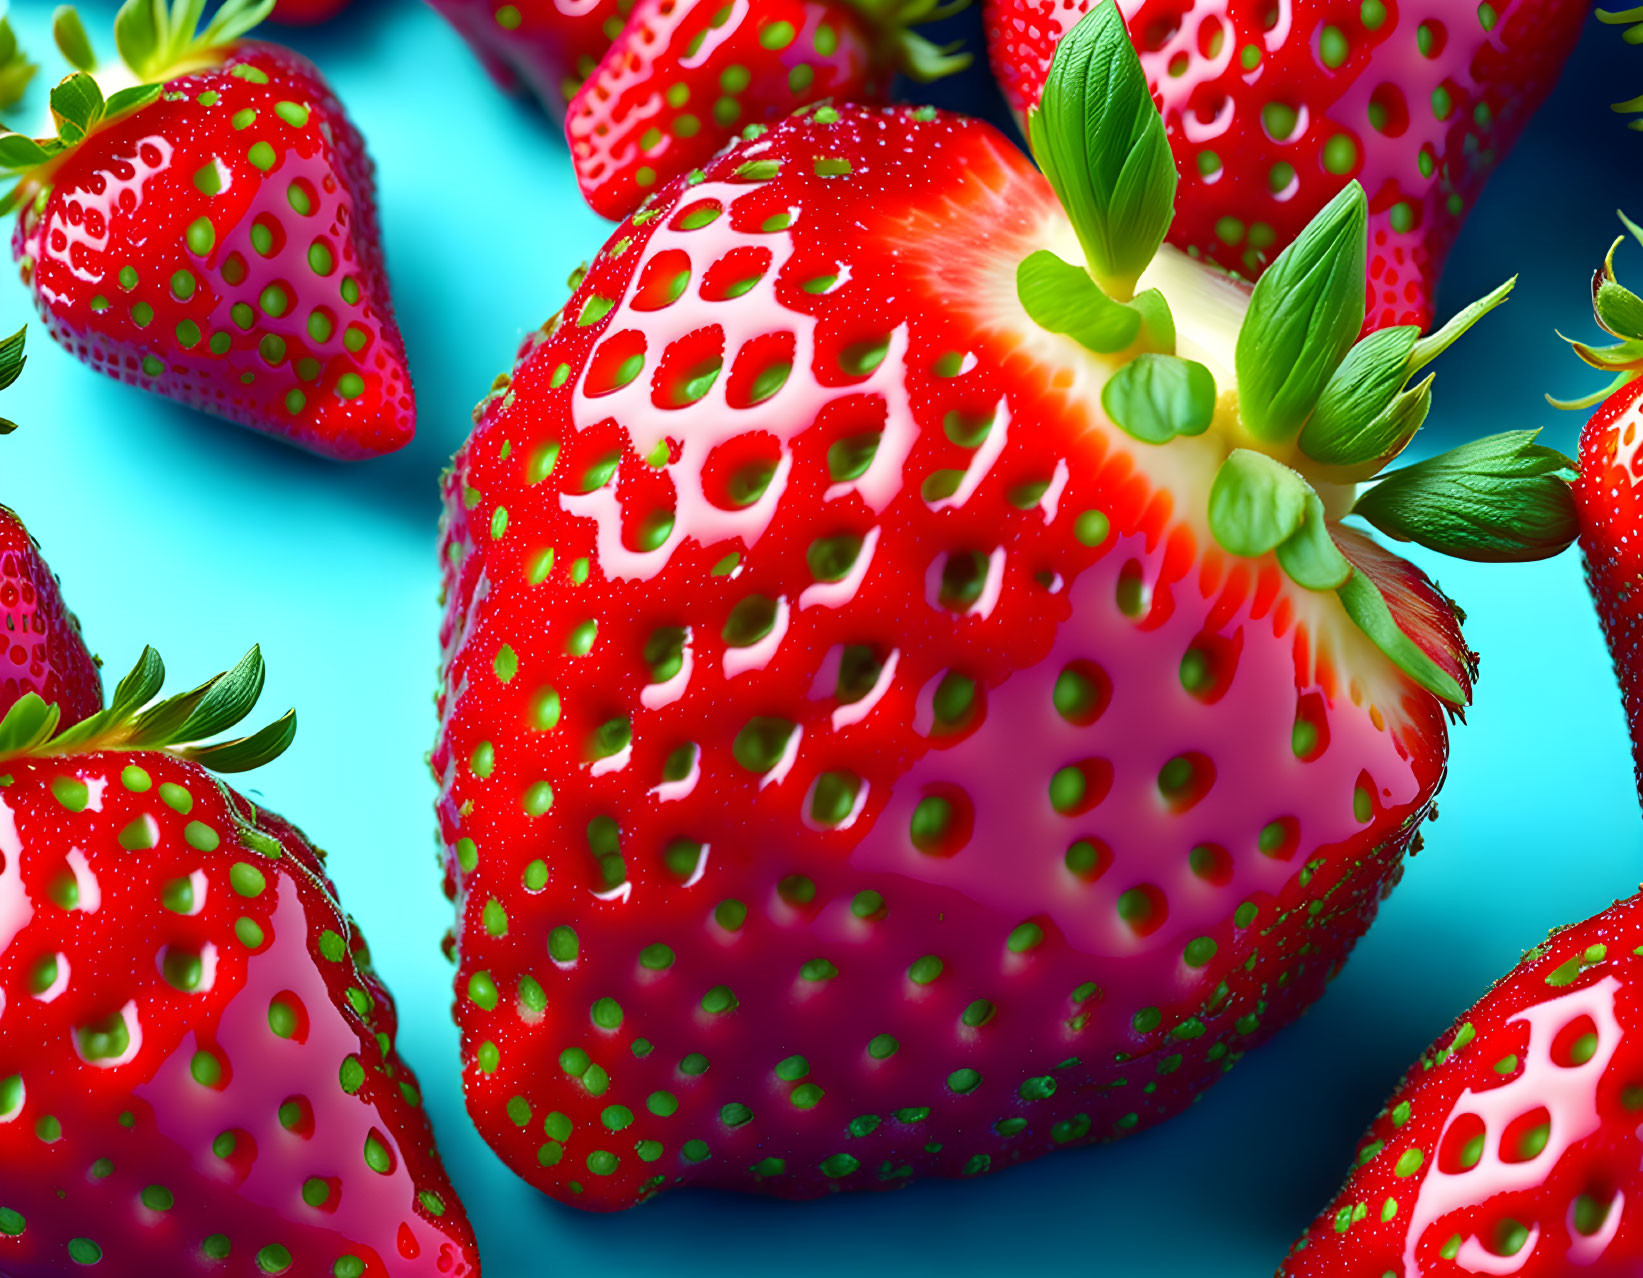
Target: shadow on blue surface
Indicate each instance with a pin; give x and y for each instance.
(172, 528)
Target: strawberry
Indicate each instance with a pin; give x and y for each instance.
(1606, 495)
(1273, 109)
(212, 235)
(1512, 1146)
(551, 46)
(306, 13)
(196, 1060)
(685, 76)
(41, 650)
(910, 702)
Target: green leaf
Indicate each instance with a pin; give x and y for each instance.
(1310, 556)
(11, 357)
(1304, 316)
(1358, 393)
(77, 101)
(137, 34)
(18, 152)
(16, 71)
(69, 33)
(1157, 321)
(1101, 143)
(1429, 348)
(1367, 608)
(1255, 503)
(29, 722)
(1157, 397)
(138, 95)
(1062, 298)
(228, 699)
(246, 753)
(1497, 500)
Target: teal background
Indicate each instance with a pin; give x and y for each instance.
(172, 528)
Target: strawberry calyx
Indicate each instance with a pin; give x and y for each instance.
(914, 55)
(1312, 411)
(178, 725)
(1619, 313)
(158, 40)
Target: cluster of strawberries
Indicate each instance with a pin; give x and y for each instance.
(911, 700)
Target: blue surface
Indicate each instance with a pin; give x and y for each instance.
(173, 528)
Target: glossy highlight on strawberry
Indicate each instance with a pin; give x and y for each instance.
(214, 238)
(1513, 1146)
(1272, 108)
(197, 1063)
(864, 759)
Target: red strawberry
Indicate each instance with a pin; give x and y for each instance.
(216, 241)
(305, 13)
(1513, 1146)
(1606, 494)
(864, 758)
(686, 76)
(41, 650)
(549, 45)
(1273, 108)
(196, 1060)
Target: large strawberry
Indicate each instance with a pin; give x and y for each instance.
(686, 76)
(212, 234)
(1515, 1145)
(910, 702)
(41, 650)
(551, 46)
(197, 1064)
(1273, 108)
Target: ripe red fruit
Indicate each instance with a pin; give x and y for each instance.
(41, 650)
(686, 76)
(900, 714)
(1514, 1145)
(1607, 494)
(547, 46)
(1416, 103)
(196, 1060)
(213, 236)
(304, 13)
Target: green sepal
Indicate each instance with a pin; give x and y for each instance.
(19, 153)
(1154, 398)
(1595, 398)
(1101, 143)
(924, 61)
(1309, 556)
(1157, 321)
(1618, 311)
(1632, 20)
(1062, 298)
(12, 358)
(1255, 504)
(178, 725)
(77, 105)
(1504, 499)
(1304, 316)
(1365, 604)
(157, 37)
(69, 34)
(16, 71)
(138, 95)
(1461, 323)
(1357, 395)
(246, 753)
